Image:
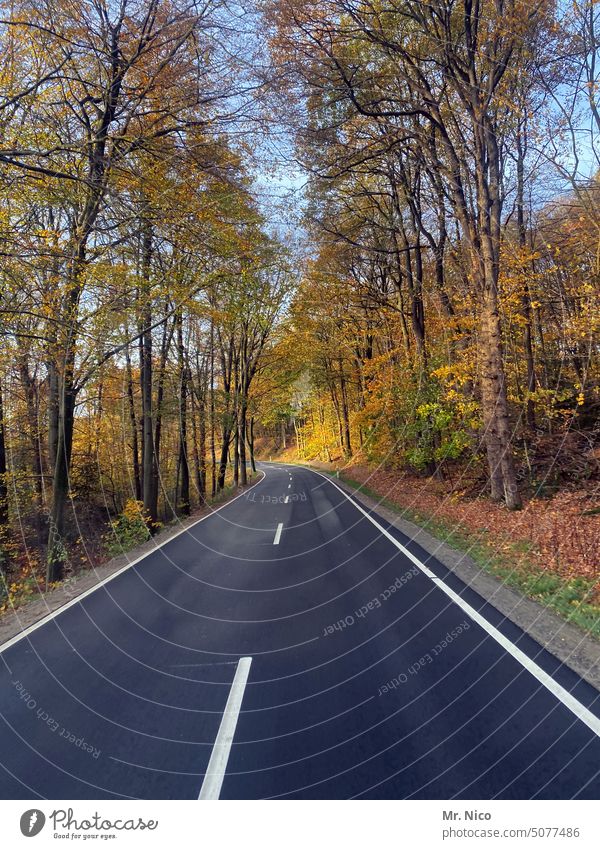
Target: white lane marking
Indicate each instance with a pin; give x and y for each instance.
(215, 771)
(289, 486)
(563, 695)
(278, 533)
(97, 586)
(580, 711)
(287, 498)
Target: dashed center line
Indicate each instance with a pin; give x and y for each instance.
(287, 498)
(278, 533)
(215, 771)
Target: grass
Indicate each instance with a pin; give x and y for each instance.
(569, 597)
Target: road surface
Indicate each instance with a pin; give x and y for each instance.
(290, 645)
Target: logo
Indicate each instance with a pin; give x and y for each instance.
(32, 822)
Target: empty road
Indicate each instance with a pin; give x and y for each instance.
(290, 645)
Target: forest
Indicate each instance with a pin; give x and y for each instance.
(337, 231)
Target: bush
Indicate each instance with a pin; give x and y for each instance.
(440, 432)
(130, 529)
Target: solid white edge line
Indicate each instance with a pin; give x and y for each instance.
(278, 533)
(49, 616)
(215, 771)
(563, 695)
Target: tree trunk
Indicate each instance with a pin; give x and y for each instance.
(495, 408)
(236, 457)
(347, 445)
(338, 415)
(29, 388)
(251, 444)
(3, 471)
(202, 448)
(160, 391)
(199, 445)
(417, 308)
(503, 478)
(146, 367)
(134, 429)
(526, 297)
(242, 442)
(229, 377)
(67, 393)
(52, 412)
(57, 553)
(226, 441)
(213, 447)
(183, 500)
(299, 446)
(5, 555)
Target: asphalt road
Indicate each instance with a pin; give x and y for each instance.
(374, 672)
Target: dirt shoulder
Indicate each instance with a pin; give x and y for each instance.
(575, 647)
(12, 622)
